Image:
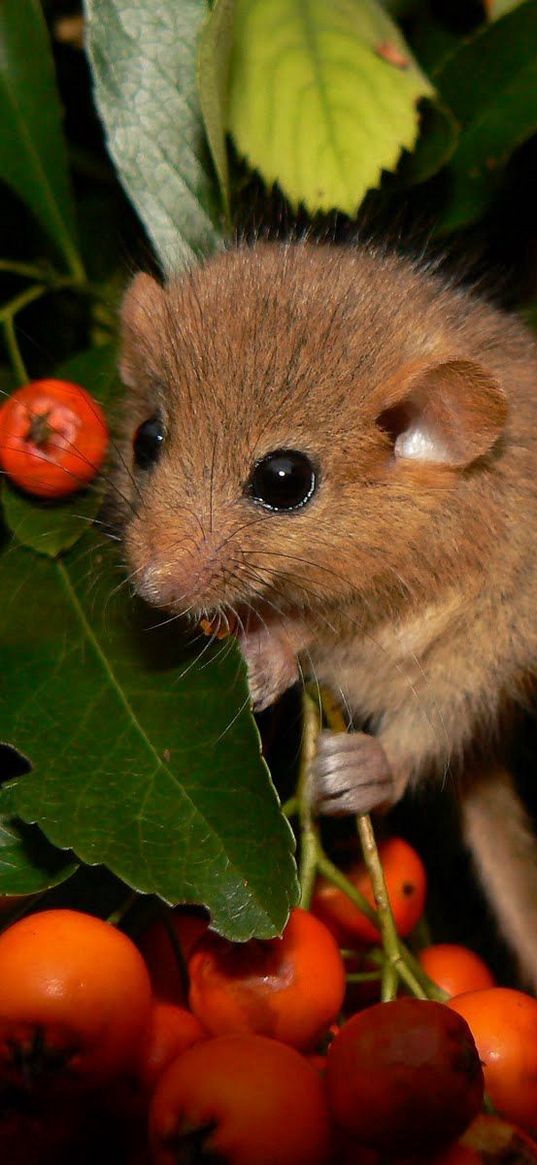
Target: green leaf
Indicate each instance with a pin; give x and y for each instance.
(433, 42)
(29, 864)
(52, 527)
(144, 60)
(436, 144)
(529, 315)
(141, 762)
(33, 158)
(213, 80)
(323, 97)
(497, 8)
(490, 84)
(400, 8)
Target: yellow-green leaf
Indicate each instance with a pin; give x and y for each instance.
(323, 97)
(213, 82)
(497, 8)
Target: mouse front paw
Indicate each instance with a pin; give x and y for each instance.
(272, 668)
(351, 774)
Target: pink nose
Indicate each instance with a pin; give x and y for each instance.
(161, 585)
(181, 582)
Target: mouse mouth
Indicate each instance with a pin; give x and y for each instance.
(219, 626)
(240, 620)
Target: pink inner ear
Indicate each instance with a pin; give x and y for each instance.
(413, 434)
(422, 444)
(451, 414)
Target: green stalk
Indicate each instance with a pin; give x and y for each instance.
(309, 832)
(399, 963)
(290, 807)
(14, 352)
(394, 966)
(10, 309)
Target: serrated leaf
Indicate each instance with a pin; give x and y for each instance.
(143, 58)
(323, 97)
(213, 80)
(140, 763)
(33, 157)
(50, 527)
(490, 84)
(29, 864)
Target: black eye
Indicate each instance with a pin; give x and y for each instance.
(148, 441)
(283, 480)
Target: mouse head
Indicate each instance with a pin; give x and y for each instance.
(297, 418)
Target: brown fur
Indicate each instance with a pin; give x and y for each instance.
(408, 583)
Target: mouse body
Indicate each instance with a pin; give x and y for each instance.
(335, 450)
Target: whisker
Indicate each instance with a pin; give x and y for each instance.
(192, 664)
(243, 707)
(238, 530)
(225, 647)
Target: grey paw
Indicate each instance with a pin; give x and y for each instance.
(351, 774)
(272, 668)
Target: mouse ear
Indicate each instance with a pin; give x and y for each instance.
(141, 303)
(451, 413)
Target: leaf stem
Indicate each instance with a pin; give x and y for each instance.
(390, 938)
(398, 962)
(309, 833)
(14, 352)
(19, 302)
(7, 314)
(53, 280)
(363, 976)
(290, 807)
(75, 264)
(338, 878)
(22, 300)
(27, 270)
(119, 913)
